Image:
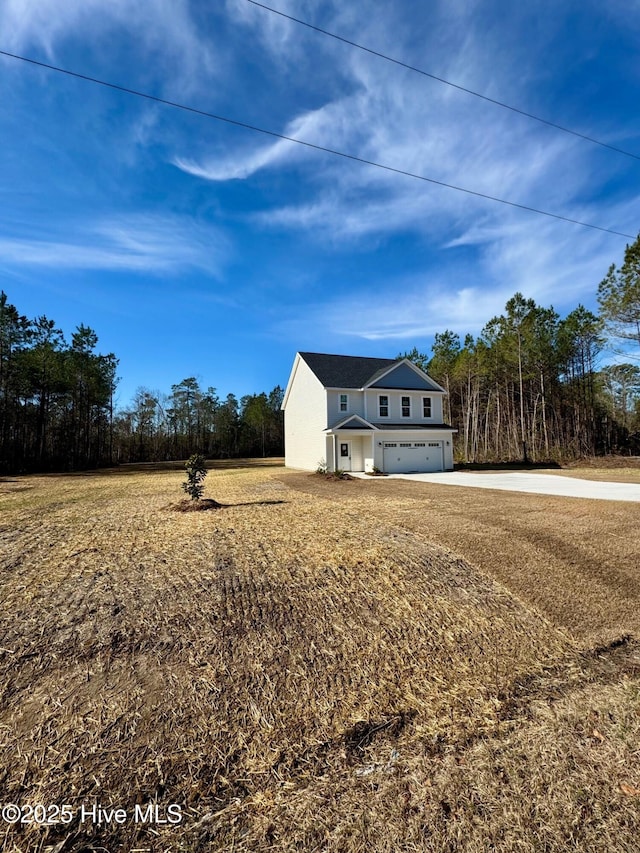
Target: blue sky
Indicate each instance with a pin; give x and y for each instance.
(193, 247)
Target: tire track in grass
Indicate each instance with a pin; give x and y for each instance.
(273, 654)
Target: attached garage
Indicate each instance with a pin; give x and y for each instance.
(407, 457)
(369, 414)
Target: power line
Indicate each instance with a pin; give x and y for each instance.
(304, 142)
(445, 82)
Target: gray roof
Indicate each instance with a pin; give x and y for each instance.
(346, 371)
(353, 422)
(387, 426)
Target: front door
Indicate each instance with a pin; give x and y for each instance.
(344, 456)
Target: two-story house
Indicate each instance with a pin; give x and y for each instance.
(357, 414)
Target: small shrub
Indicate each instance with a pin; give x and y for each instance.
(196, 472)
(322, 467)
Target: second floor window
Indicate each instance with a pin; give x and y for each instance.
(426, 407)
(343, 402)
(383, 406)
(406, 407)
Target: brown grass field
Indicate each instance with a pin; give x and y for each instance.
(343, 666)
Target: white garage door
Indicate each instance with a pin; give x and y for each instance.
(405, 457)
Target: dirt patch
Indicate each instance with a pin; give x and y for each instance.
(331, 476)
(196, 506)
(609, 462)
(621, 474)
(505, 466)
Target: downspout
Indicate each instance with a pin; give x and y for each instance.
(335, 452)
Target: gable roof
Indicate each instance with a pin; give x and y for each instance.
(404, 375)
(353, 371)
(345, 371)
(352, 422)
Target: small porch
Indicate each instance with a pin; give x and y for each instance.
(350, 450)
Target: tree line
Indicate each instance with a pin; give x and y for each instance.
(157, 426)
(56, 397)
(57, 407)
(531, 387)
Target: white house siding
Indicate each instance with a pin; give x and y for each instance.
(355, 405)
(329, 452)
(395, 406)
(305, 420)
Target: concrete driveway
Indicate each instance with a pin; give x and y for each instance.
(521, 481)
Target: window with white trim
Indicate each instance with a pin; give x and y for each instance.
(344, 403)
(383, 405)
(405, 403)
(426, 407)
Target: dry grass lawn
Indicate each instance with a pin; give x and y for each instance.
(612, 469)
(577, 561)
(319, 665)
(610, 475)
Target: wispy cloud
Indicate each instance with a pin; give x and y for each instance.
(319, 127)
(407, 122)
(143, 244)
(283, 39)
(394, 117)
(545, 263)
(242, 165)
(415, 312)
(422, 313)
(164, 29)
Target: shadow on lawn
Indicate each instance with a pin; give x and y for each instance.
(205, 504)
(255, 503)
